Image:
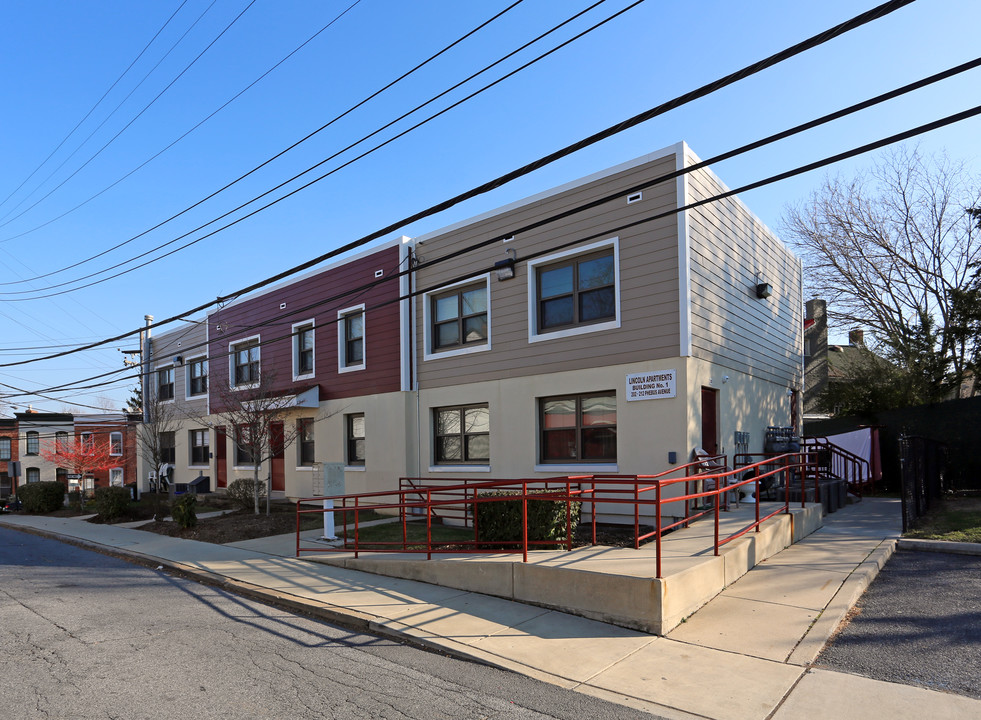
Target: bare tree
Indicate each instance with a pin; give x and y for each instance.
(258, 419)
(889, 250)
(154, 436)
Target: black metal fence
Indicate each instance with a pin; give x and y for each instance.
(923, 475)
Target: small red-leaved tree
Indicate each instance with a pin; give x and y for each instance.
(81, 455)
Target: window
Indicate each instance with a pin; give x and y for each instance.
(575, 293)
(33, 474)
(579, 428)
(459, 318)
(165, 384)
(168, 448)
(88, 443)
(245, 362)
(33, 442)
(61, 442)
(115, 443)
(350, 339)
(303, 350)
(355, 439)
(116, 477)
(304, 437)
(243, 449)
(4, 448)
(197, 373)
(200, 451)
(462, 435)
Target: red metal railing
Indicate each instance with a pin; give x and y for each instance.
(843, 464)
(455, 501)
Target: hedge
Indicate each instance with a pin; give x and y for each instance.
(42, 497)
(111, 502)
(500, 520)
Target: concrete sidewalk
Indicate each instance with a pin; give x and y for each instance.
(744, 655)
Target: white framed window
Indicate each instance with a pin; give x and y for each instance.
(243, 362)
(115, 443)
(116, 477)
(574, 292)
(578, 428)
(88, 442)
(355, 432)
(457, 319)
(350, 339)
(305, 445)
(303, 350)
(198, 443)
(33, 442)
(197, 376)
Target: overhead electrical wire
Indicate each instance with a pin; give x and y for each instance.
(184, 135)
(606, 232)
(134, 119)
(93, 108)
(729, 79)
(309, 169)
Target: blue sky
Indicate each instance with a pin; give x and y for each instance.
(60, 58)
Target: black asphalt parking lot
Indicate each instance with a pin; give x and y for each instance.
(919, 623)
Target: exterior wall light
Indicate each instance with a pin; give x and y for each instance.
(763, 288)
(505, 268)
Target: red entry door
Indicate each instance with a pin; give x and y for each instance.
(277, 464)
(710, 420)
(221, 452)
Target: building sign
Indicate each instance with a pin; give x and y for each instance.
(651, 385)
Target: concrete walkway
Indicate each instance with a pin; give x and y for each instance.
(744, 655)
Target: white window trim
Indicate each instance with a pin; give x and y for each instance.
(342, 332)
(187, 378)
(428, 353)
(296, 349)
(576, 469)
(231, 361)
(121, 449)
(190, 447)
(122, 476)
(460, 468)
(354, 468)
(156, 384)
(533, 334)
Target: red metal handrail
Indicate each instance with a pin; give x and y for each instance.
(445, 498)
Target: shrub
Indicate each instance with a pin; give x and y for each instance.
(183, 511)
(75, 500)
(500, 520)
(42, 497)
(111, 502)
(242, 492)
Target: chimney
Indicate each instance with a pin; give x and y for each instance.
(856, 338)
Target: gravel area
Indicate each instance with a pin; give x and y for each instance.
(919, 623)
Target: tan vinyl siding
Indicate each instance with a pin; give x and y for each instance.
(648, 266)
(730, 326)
(190, 342)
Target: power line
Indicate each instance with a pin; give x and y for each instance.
(264, 163)
(309, 169)
(729, 79)
(97, 103)
(606, 232)
(133, 120)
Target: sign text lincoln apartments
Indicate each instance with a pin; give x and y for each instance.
(651, 385)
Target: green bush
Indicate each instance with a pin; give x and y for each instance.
(75, 500)
(42, 497)
(500, 520)
(183, 512)
(242, 492)
(111, 502)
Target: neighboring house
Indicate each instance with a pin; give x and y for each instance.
(824, 364)
(34, 433)
(598, 342)
(9, 453)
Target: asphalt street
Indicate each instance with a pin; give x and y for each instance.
(919, 623)
(85, 635)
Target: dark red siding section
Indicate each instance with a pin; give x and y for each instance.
(318, 297)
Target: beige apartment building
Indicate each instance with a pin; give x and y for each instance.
(610, 325)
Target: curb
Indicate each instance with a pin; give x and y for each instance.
(844, 600)
(940, 546)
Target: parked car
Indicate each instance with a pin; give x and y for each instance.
(11, 504)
